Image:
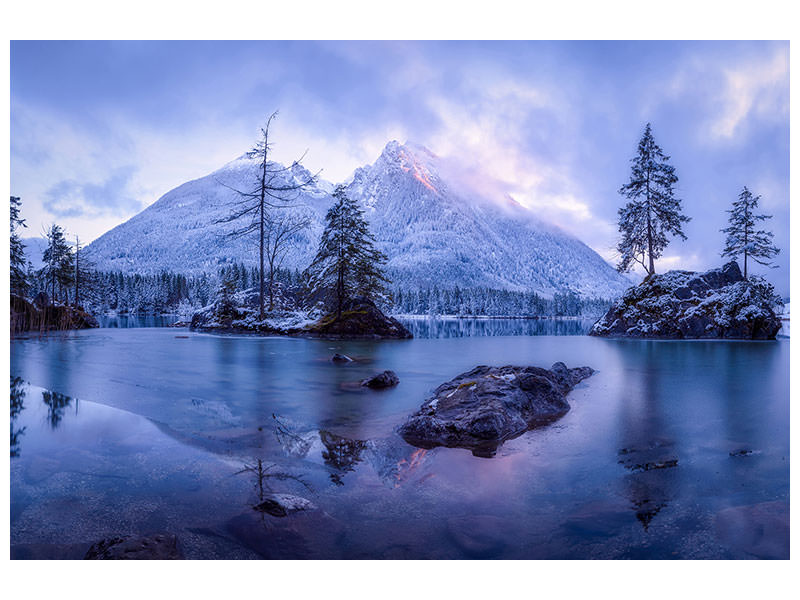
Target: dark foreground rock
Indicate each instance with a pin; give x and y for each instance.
(381, 381)
(719, 303)
(41, 316)
(482, 408)
(360, 319)
(157, 546)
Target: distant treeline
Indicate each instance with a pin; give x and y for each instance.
(169, 292)
(165, 292)
(481, 301)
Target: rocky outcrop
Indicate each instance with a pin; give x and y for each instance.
(381, 381)
(240, 313)
(482, 408)
(360, 319)
(158, 546)
(40, 315)
(719, 303)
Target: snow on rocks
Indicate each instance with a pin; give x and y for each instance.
(719, 303)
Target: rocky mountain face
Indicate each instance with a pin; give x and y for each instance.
(435, 229)
(719, 303)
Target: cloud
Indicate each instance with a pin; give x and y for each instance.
(112, 197)
(757, 88)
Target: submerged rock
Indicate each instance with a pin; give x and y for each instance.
(760, 530)
(482, 408)
(719, 303)
(157, 546)
(282, 505)
(341, 358)
(480, 536)
(360, 318)
(381, 380)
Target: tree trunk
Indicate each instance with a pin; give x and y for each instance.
(77, 272)
(649, 229)
(261, 237)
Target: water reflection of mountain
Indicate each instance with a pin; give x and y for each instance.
(434, 327)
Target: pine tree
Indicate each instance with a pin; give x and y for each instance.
(275, 187)
(58, 261)
(652, 210)
(18, 278)
(85, 278)
(743, 238)
(347, 264)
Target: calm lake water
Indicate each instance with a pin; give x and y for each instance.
(135, 430)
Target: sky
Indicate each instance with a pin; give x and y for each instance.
(100, 130)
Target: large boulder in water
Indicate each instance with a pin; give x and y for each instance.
(360, 318)
(719, 303)
(383, 380)
(482, 408)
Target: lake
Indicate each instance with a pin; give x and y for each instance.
(132, 430)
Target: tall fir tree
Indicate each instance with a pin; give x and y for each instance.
(743, 237)
(347, 264)
(18, 277)
(58, 262)
(652, 211)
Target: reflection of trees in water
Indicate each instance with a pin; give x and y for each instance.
(17, 406)
(648, 451)
(56, 405)
(340, 453)
(454, 328)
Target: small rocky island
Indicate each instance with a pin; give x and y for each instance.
(719, 303)
(482, 408)
(360, 319)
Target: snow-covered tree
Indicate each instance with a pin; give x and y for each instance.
(652, 211)
(275, 188)
(18, 277)
(85, 279)
(58, 261)
(743, 237)
(347, 264)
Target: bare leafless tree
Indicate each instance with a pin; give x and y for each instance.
(274, 188)
(281, 232)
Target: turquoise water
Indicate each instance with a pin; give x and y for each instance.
(155, 428)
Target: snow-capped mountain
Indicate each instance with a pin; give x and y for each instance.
(435, 228)
(183, 230)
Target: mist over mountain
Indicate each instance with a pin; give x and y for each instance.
(436, 228)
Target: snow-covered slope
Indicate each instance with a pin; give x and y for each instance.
(182, 231)
(434, 227)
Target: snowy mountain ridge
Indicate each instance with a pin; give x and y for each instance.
(435, 228)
